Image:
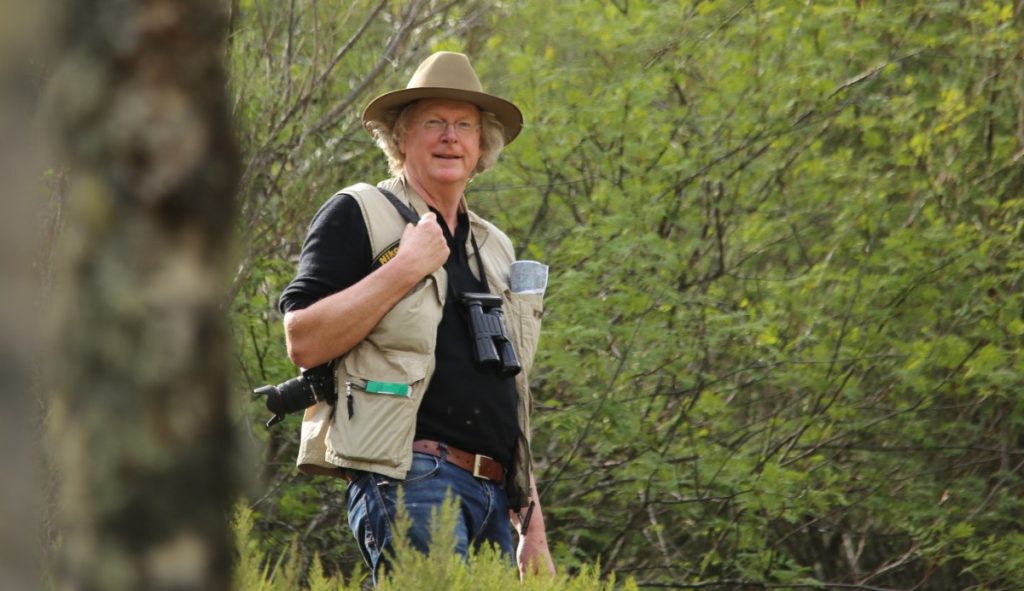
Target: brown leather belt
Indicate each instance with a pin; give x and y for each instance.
(478, 465)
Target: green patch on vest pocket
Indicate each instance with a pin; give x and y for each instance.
(391, 388)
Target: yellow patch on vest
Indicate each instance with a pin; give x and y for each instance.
(389, 253)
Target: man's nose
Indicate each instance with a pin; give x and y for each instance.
(449, 133)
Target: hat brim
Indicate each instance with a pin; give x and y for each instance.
(509, 115)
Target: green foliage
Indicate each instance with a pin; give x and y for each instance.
(256, 570)
(441, 570)
(782, 340)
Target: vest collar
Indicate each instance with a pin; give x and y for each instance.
(400, 187)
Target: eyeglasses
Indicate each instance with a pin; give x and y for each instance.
(462, 128)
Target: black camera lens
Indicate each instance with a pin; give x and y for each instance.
(291, 396)
(287, 397)
(299, 393)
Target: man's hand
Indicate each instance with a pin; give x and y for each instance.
(330, 327)
(533, 555)
(423, 248)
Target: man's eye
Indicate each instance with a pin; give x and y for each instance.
(434, 124)
(464, 126)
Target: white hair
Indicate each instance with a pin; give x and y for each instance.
(390, 129)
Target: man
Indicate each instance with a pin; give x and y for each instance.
(416, 408)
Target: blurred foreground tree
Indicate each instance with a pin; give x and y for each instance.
(139, 420)
(22, 44)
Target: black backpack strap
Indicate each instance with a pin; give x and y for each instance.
(404, 210)
(410, 215)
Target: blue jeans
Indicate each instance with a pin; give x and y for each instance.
(482, 515)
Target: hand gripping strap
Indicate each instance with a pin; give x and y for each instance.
(410, 216)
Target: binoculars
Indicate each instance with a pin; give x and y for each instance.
(491, 345)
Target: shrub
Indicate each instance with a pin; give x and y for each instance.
(441, 570)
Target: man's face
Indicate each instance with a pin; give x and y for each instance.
(442, 142)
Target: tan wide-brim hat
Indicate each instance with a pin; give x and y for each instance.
(447, 75)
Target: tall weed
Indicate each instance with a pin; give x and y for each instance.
(440, 570)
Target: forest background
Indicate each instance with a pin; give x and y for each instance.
(782, 337)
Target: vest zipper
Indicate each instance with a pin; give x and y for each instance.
(350, 400)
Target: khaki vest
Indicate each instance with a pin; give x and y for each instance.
(379, 434)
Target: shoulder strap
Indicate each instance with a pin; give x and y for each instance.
(410, 216)
(404, 210)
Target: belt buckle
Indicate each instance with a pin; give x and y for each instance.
(476, 466)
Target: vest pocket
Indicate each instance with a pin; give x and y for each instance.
(375, 418)
(313, 438)
(524, 323)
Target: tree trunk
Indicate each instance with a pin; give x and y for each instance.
(139, 418)
(21, 35)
